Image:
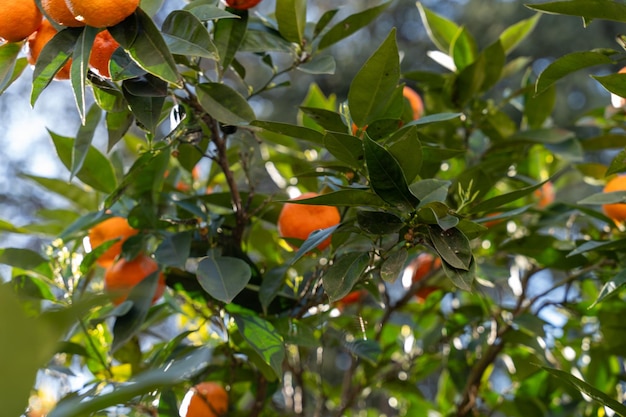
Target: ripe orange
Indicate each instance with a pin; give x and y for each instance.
(242, 4)
(103, 47)
(209, 399)
(616, 211)
(422, 267)
(417, 105)
(112, 228)
(58, 11)
(123, 275)
(352, 298)
(299, 220)
(545, 194)
(102, 13)
(18, 19)
(36, 42)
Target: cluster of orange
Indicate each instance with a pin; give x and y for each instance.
(122, 275)
(20, 20)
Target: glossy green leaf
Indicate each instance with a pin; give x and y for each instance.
(264, 41)
(346, 271)
(97, 171)
(433, 118)
(262, 336)
(589, 9)
(8, 60)
(205, 12)
(512, 36)
(430, 190)
(129, 324)
(174, 250)
(225, 104)
(378, 222)
(328, 119)
(346, 148)
(372, 86)
(82, 144)
(315, 238)
(52, 58)
(613, 83)
(146, 99)
(346, 198)
(320, 64)
(605, 198)
(79, 67)
(350, 25)
(452, 245)
(228, 37)
(393, 267)
(323, 21)
(369, 350)
(538, 107)
(570, 63)
(223, 277)
(611, 287)
(441, 31)
(117, 125)
(386, 176)
(294, 131)
(73, 193)
(25, 259)
(143, 41)
(463, 48)
(618, 164)
(185, 35)
(291, 19)
(406, 148)
(500, 200)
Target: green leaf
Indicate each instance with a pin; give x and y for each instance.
(79, 67)
(589, 9)
(605, 198)
(82, 144)
(346, 148)
(587, 389)
(261, 335)
(272, 282)
(515, 34)
(328, 119)
(378, 222)
(570, 63)
(386, 176)
(369, 350)
(291, 19)
(460, 277)
(495, 58)
(439, 29)
(375, 82)
(174, 250)
(128, 325)
(146, 98)
(5, 226)
(614, 83)
(323, 21)
(97, 171)
(117, 125)
(143, 41)
(433, 118)
(347, 198)
(610, 288)
(430, 190)
(538, 107)
(225, 104)
(393, 266)
(314, 239)
(175, 371)
(207, 12)
(463, 48)
(346, 271)
(264, 41)
(324, 64)
(8, 60)
(25, 259)
(500, 200)
(452, 245)
(350, 25)
(223, 277)
(618, 164)
(229, 35)
(74, 194)
(294, 131)
(185, 35)
(52, 58)
(405, 146)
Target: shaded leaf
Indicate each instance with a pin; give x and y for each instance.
(223, 277)
(452, 245)
(225, 104)
(349, 25)
(346, 271)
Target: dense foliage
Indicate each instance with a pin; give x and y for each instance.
(526, 315)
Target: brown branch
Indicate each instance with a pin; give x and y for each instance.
(261, 394)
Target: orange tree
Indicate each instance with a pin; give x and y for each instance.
(526, 316)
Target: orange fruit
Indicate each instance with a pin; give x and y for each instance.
(300, 220)
(545, 194)
(58, 11)
(209, 399)
(417, 105)
(123, 275)
(615, 211)
(103, 47)
(491, 223)
(36, 42)
(242, 4)
(352, 298)
(18, 19)
(112, 228)
(423, 266)
(102, 13)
